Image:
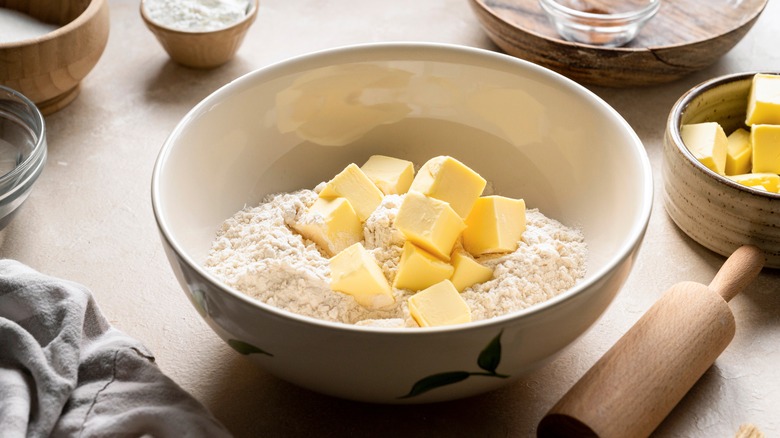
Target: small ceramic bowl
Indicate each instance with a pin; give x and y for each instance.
(531, 132)
(608, 24)
(48, 68)
(713, 210)
(201, 49)
(22, 150)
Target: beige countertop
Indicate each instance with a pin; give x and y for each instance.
(89, 219)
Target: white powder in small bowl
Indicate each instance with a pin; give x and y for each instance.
(196, 15)
(257, 253)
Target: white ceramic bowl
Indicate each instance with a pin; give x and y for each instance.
(713, 210)
(532, 132)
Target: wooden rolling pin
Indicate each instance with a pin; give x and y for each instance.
(630, 390)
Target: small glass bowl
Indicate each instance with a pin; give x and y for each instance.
(605, 23)
(22, 150)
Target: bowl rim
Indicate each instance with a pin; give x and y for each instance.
(421, 51)
(92, 9)
(27, 168)
(245, 20)
(674, 123)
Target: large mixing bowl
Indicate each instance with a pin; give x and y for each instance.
(531, 132)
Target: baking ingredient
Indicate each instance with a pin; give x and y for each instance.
(764, 181)
(449, 180)
(392, 176)
(764, 100)
(766, 148)
(355, 272)
(17, 26)
(352, 184)
(738, 152)
(494, 225)
(440, 304)
(467, 271)
(418, 269)
(332, 224)
(196, 15)
(429, 223)
(708, 143)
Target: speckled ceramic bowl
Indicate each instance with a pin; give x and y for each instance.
(531, 132)
(713, 210)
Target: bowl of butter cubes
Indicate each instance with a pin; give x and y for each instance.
(721, 163)
(401, 222)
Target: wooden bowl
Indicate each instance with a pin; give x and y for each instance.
(711, 209)
(48, 69)
(201, 49)
(671, 45)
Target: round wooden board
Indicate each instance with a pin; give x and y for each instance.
(683, 37)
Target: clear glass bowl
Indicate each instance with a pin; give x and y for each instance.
(22, 150)
(605, 23)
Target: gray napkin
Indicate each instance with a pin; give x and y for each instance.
(65, 371)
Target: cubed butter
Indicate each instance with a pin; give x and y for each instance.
(708, 144)
(440, 304)
(738, 153)
(764, 100)
(495, 225)
(332, 224)
(392, 176)
(767, 181)
(449, 180)
(766, 148)
(419, 269)
(429, 223)
(354, 271)
(357, 188)
(467, 271)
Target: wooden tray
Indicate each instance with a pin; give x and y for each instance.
(683, 37)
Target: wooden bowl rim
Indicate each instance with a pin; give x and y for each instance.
(248, 18)
(91, 11)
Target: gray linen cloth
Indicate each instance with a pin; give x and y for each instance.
(65, 371)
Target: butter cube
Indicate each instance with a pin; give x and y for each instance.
(449, 180)
(766, 148)
(495, 225)
(332, 224)
(354, 185)
(418, 269)
(738, 152)
(764, 101)
(354, 272)
(429, 223)
(440, 304)
(393, 176)
(766, 181)
(708, 144)
(468, 272)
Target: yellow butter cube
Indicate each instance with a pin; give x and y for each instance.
(468, 272)
(354, 271)
(418, 269)
(767, 181)
(766, 148)
(495, 225)
(764, 101)
(429, 223)
(449, 180)
(355, 186)
(332, 224)
(708, 144)
(440, 304)
(392, 176)
(738, 152)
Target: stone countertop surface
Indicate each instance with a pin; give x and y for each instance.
(89, 219)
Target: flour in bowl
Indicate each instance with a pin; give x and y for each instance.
(257, 253)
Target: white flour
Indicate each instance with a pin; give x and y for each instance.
(257, 253)
(196, 15)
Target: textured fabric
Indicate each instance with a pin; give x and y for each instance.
(65, 371)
